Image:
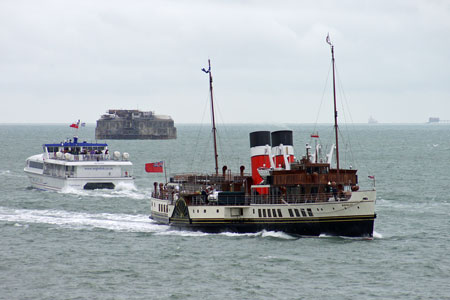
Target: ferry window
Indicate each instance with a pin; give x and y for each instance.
(297, 213)
(290, 212)
(217, 211)
(274, 212)
(204, 211)
(279, 213)
(303, 212)
(259, 212)
(253, 211)
(36, 165)
(264, 213)
(310, 213)
(269, 214)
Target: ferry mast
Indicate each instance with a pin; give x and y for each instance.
(335, 109)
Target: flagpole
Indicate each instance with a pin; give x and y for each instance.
(165, 173)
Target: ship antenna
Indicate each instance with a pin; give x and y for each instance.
(335, 110)
(212, 115)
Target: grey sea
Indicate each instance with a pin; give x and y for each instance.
(102, 245)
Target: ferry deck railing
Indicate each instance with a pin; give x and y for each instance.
(84, 157)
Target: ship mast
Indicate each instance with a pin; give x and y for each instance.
(212, 115)
(335, 109)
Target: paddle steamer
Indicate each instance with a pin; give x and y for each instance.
(307, 197)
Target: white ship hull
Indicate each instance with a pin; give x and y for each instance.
(58, 174)
(43, 182)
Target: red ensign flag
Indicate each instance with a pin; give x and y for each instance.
(156, 167)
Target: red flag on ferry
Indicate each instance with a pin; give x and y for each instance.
(156, 167)
(74, 125)
(371, 177)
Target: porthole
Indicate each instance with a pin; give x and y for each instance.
(217, 211)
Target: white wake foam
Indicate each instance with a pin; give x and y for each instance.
(78, 220)
(377, 235)
(122, 190)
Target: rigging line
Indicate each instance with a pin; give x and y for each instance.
(227, 150)
(352, 122)
(197, 140)
(347, 138)
(323, 96)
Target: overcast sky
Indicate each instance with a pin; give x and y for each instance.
(66, 60)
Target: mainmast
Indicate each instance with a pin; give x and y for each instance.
(335, 109)
(212, 115)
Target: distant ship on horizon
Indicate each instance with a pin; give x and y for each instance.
(372, 120)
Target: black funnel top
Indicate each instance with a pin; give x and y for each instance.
(259, 138)
(282, 137)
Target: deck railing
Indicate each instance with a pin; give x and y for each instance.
(84, 157)
(199, 199)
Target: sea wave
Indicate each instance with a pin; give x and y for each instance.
(122, 190)
(8, 173)
(79, 220)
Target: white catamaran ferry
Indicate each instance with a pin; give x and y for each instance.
(78, 165)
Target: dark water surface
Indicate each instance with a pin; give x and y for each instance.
(101, 244)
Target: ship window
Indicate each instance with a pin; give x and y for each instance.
(264, 213)
(310, 213)
(253, 211)
(204, 211)
(274, 212)
(269, 214)
(290, 212)
(297, 213)
(217, 211)
(36, 165)
(303, 212)
(279, 213)
(259, 213)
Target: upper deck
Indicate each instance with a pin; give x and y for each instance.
(74, 151)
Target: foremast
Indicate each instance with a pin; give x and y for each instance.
(212, 115)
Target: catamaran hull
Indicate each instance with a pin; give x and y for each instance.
(43, 182)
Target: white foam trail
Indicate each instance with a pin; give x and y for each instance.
(277, 234)
(377, 235)
(126, 190)
(77, 220)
